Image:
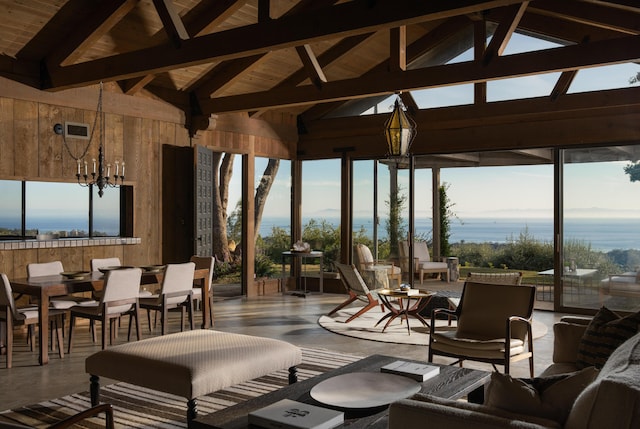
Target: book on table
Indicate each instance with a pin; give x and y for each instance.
(288, 414)
(417, 371)
(408, 292)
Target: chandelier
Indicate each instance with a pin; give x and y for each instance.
(98, 176)
(399, 130)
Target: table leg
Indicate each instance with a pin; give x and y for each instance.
(206, 323)
(43, 329)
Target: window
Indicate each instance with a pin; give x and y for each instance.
(59, 209)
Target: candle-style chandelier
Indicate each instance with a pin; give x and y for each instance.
(97, 176)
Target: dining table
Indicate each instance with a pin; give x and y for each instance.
(43, 288)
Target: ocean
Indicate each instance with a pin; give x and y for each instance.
(603, 234)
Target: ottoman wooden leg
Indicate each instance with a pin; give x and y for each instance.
(293, 375)
(95, 390)
(192, 411)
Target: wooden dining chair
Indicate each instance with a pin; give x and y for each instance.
(176, 292)
(119, 297)
(205, 262)
(54, 268)
(12, 316)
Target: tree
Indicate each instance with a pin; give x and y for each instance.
(633, 170)
(396, 228)
(223, 170)
(446, 213)
(262, 192)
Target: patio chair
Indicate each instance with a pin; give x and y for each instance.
(119, 297)
(357, 290)
(365, 261)
(494, 326)
(11, 316)
(422, 260)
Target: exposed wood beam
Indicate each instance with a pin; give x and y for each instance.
(505, 30)
(479, 49)
(311, 65)
(442, 33)
(398, 48)
(200, 19)
(91, 28)
(173, 25)
(562, 84)
(222, 76)
(543, 154)
(341, 20)
(264, 10)
(630, 5)
(496, 113)
(626, 49)
(596, 15)
(326, 58)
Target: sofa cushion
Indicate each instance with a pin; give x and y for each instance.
(547, 397)
(613, 399)
(604, 334)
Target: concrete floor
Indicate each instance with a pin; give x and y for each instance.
(288, 318)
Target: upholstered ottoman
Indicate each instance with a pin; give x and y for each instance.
(192, 364)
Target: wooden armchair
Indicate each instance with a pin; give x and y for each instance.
(357, 290)
(365, 261)
(494, 326)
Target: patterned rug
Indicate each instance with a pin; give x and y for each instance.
(137, 407)
(363, 327)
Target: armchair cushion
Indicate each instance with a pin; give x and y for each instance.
(548, 397)
(603, 335)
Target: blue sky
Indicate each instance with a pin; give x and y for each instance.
(591, 190)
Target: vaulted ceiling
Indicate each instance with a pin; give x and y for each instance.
(321, 59)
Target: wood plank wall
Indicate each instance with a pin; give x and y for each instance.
(30, 150)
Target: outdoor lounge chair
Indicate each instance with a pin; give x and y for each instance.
(357, 290)
(367, 262)
(422, 260)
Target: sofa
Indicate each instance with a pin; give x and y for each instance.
(586, 398)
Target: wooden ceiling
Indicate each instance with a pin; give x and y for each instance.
(318, 59)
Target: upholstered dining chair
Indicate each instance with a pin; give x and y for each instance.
(175, 293)
(11, 316)
(494, 326)
(365, 261)
(97, 263)
(357, 290)
(54, 268)
(204, 262)
(119, 297)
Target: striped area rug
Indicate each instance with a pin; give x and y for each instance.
(137, 407)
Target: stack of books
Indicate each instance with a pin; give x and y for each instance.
(418, 371)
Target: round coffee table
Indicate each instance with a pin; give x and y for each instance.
(401, 303)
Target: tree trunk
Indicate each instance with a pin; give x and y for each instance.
(262, 192)
(223, 170)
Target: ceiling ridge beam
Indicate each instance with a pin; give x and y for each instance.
(341, 20)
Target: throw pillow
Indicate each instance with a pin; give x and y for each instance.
(605, 333)
(547, 397)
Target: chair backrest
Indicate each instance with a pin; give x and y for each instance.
(6, 296)
(496, 278)
(364, 257)
(352, 279)
(121, 285)
(178, 278)
(421, 251)
(403, 254)
(208, 262)
(484, 309)
(44, 269)
(98, 263)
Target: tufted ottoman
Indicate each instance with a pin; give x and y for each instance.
(192, 364)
